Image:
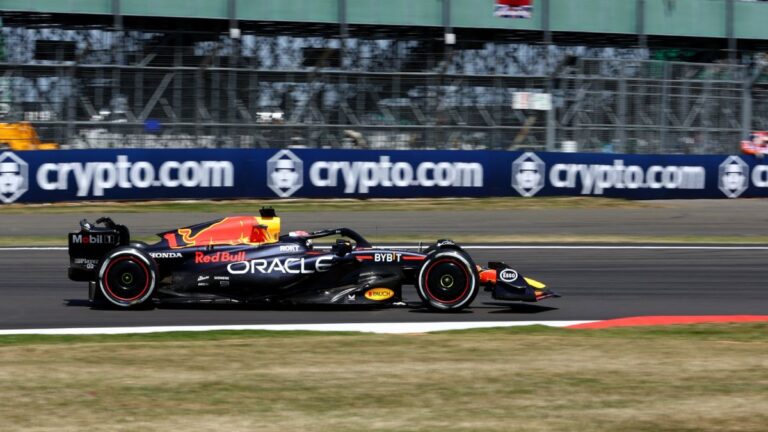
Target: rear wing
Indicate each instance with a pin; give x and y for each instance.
(87, 246)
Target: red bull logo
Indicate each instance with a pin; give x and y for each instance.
(224, 257)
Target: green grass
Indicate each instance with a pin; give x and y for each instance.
(175, 336)
(735, 332)
(354, 205)
(676, 378)
(312, 205)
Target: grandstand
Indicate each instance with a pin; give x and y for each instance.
(634, 76)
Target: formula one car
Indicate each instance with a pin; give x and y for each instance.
(756, 145)
(244, 259)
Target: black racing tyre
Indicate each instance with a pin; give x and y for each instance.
(448, 281)
(127, 277)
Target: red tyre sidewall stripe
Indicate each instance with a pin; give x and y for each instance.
(146, 277)
(466, 287)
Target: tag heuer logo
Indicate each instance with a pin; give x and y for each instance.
(14, 177)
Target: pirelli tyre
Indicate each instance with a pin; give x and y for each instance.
(448, 280)
(126, 278)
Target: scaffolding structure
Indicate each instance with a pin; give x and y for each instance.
(109, 86)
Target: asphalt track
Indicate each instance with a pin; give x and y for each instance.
(595, 283)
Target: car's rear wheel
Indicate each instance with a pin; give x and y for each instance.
(127, 277)
(448, 281)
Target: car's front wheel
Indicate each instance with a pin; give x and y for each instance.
(448, 281)
(127, 277)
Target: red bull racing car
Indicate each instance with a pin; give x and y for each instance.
(756, 145)
(244, 259)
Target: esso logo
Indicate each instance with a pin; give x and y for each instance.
(508, 275)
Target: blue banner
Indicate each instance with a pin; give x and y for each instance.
(140, 174)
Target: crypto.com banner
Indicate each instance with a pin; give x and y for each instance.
(71, 175)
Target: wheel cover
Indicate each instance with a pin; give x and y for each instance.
(126, 279)
(447, 281)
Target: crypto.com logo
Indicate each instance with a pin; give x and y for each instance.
(733, 177)
(285, 173)
(528, 172)
(14, 177)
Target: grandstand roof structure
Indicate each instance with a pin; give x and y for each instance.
(716, 24)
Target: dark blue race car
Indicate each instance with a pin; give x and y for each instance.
(244, 259)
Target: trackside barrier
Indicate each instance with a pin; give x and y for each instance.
(141, 174)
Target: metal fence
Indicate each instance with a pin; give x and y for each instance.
(632, 106)
(368, 93)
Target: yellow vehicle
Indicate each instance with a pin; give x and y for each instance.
(22, 136)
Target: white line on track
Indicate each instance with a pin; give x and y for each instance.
(388, 328)
(502, 247)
